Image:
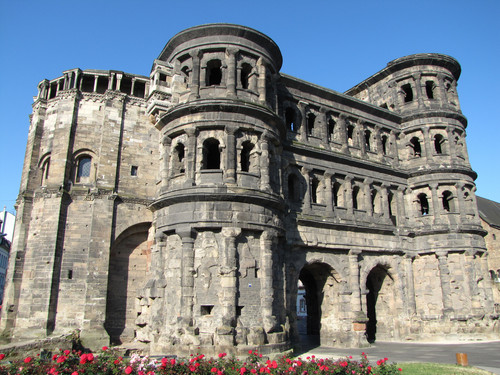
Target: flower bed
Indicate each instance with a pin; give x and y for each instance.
(107, 362)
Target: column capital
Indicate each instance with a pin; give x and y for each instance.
(354, 252)
(230, 129)
(166, 140)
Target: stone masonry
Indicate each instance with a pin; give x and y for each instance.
(182, 209)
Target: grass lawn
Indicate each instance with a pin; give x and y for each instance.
(437, 368)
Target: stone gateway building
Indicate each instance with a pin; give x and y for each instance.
(183, 209)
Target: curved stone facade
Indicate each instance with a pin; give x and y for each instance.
(185, 210)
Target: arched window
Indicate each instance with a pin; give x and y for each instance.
(293, 187)
(331, 130)
(314, 189)
(45, 170)
(178, 159)
(211, 154)
(246, 70)
(368, 135)
(83, 166)
(447, 199)
(438, 142)
(415, 147)
(350, 135)
(311, 118)
(376, 202)
(338, 200)
(424, 204)
(214, 73)
(185, 72)
(290, 119)
(355, 197)
(247, 147)
(390, 202)
(429, 89)
(407, 93)
(384, 144)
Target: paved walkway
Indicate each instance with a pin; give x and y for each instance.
(485, 355)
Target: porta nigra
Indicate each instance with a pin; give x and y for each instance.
(187, 209)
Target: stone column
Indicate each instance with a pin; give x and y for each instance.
(231, 71)
(328, 193)
(110, 83)
(444, 276)
(378, 140)
(342, 128)
(324, 117)
(392, 147)
(266, 287)
(418, 88)
(348, 195)
(118, 81)
(261, 82)
(460, 200)
(187, 276)
(303, 121)
(400, 200)
(230, 173)
(435, 202)
(368, 196)
(451, 144)
(264, 163)
(190, 157)
(412, 304)
(426, 143)
(354, 284)
(470, 279)
(195, 79)
(306, 204)
(442, 90)
(167, 141)
(384, 199)
(360, 130)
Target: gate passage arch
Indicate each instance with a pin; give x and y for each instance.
(322, 319)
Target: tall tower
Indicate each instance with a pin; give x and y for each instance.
(218, 213)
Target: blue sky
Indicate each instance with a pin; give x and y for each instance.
(335, 44)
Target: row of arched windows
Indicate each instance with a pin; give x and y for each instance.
(81, 171)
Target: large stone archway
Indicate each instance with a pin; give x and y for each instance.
(128, 265)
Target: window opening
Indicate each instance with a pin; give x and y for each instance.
(214, 73)
(314, 190)
(384, 144)
(374, 201)
(311, 118)
(133, 170)
(126, 85)
(438, 140)
(293, 193)
(163, 77)
(88, 83)
(390, 201)
(355, 196)
(408, 92)
(206, 309)
(368, 136)
(290, 119)
(415, 145)
(185, 71)
(179, 153)
(70, 274)
(245, 156)
(336, 192)
(139, 89)
(83, 168)
(246, 70)
(211, 154)
(331, 129)
(102, 84)
(447, 200)
(424, 204)
(350, 134)
(45, 169)
(429, 89)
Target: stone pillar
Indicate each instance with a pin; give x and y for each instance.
(392, 147)
(187, 276)
(230, 173)
(460, 200)
(418, 88)
(368, 196)
(384, 199)
(266, 287)
(264, 163)
(359, 318)
(435, 202)
(378, 140)
(360, 130)
(400, 200)
(195, 76)
(412, 304)
(442, 90)
(470, 279)
(306, 204)
(167, 141)
(451, 144)
(261, 82)
(444, 276)
(231, 71)
(95, 84)
(348, 195)
(426, 143)
(328, 193)
(228, 281)
(303, 121)
(190, 156)
(342, 126)
(118, 81)
(324, 128)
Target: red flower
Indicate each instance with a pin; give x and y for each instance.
(129, 370)
(67, 352)
(242, 370)
(104, 348)
(253, 371)
(90, 357)
(249, 352)
(27, 360)
(2, 356)
(213, 369)
(75, 373)
(61, 359)
(222, 355)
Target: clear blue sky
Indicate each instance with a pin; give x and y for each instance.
(335, 44)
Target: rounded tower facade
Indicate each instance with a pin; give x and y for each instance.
(218, 213)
